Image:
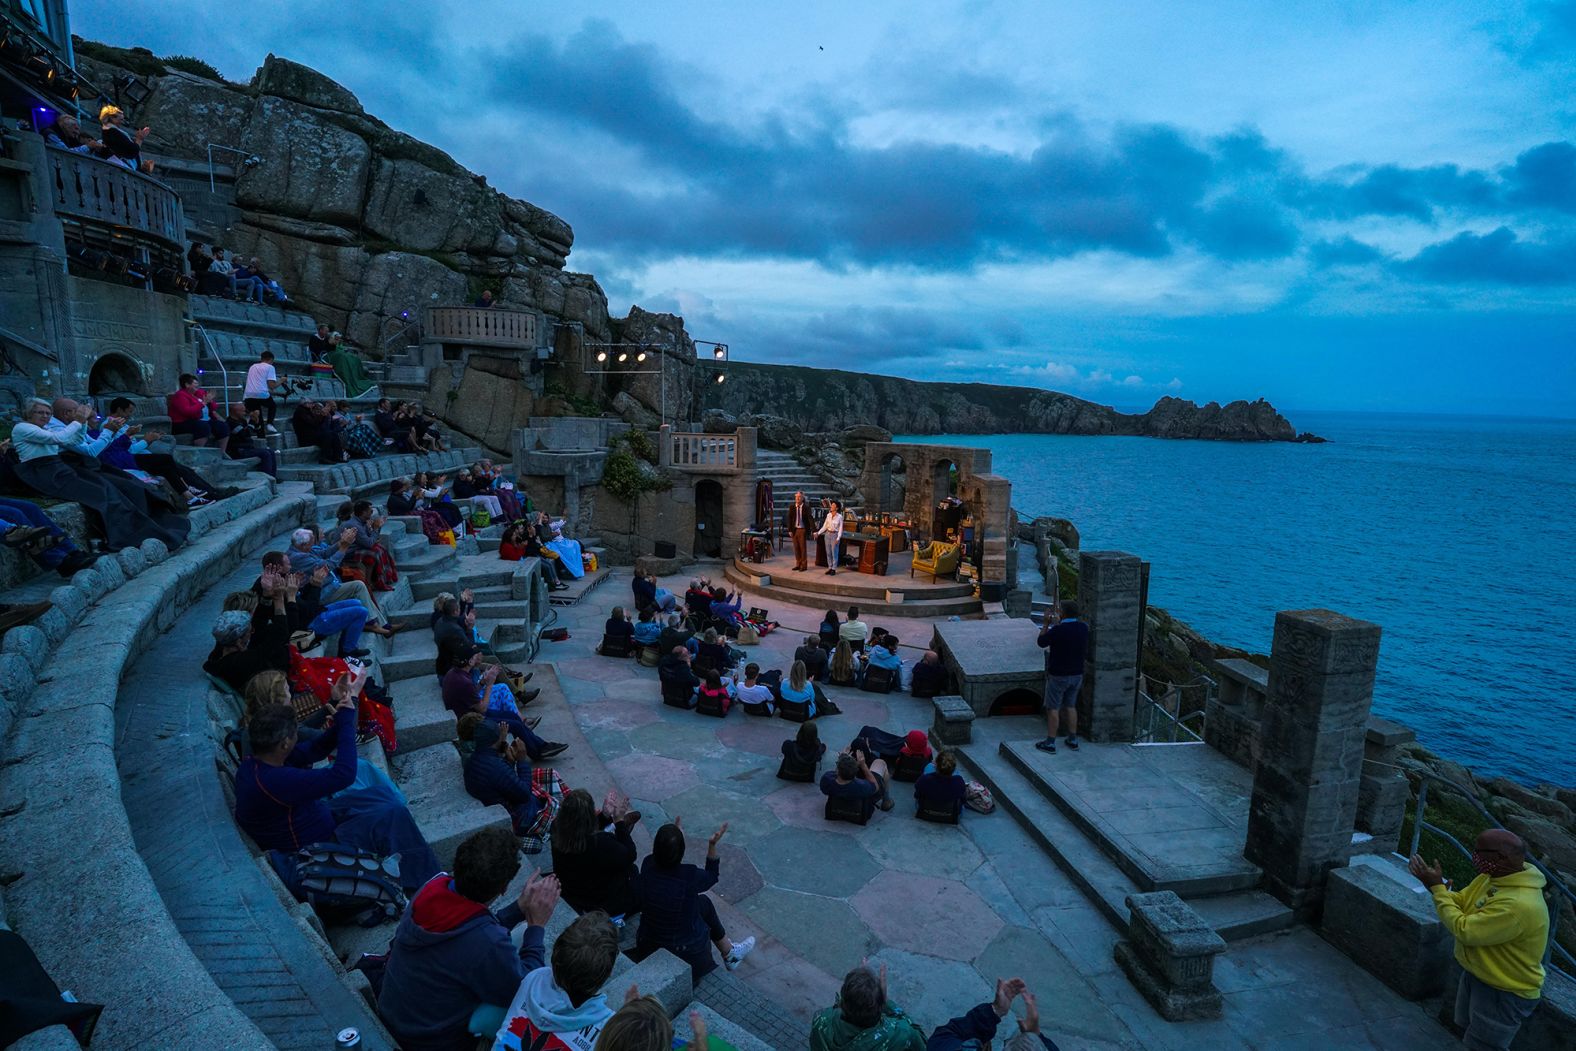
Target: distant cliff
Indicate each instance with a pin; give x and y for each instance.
(822, 400)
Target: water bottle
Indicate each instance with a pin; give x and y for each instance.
(349, 1039)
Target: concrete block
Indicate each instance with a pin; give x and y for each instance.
(661, 975)
(1169, 954)
(717, 1028)
(1387, 926)
(29, 643)
(954, 720)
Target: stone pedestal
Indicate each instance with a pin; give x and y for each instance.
(1383, 791)
(1169, 954)
(954, 724)
(1110, 601)
(1306, 787)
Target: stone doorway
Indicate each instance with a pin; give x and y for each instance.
(708, 519)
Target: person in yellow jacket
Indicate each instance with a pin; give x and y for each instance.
(1501, 926)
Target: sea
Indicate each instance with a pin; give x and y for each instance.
(1456, 534)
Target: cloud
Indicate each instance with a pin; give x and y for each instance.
(1343, 251)
(1544, 177)
(1133, 381)
(1498, 257)
(1175, 384)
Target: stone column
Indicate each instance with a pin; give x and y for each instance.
(1383, 793)
(1306, 787)
(1109, 601)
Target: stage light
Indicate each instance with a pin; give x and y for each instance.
(641, 356)
(623, 357)
(720, 377)
(719, 353)
(404, 315)
(601, 355)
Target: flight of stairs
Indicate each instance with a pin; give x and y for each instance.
(788, 476)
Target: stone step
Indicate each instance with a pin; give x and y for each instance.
(221, 313)
(420, 719)
(1231, 874)
(434, 786)
(870, 606)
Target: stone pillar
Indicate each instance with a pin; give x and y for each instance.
(1109, 601)
(1306, 786)
(1383, 792)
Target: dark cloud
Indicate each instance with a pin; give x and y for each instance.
(1495, 258)
(1544, 177)
(1343, 251)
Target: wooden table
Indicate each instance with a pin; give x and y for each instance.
(873, 551)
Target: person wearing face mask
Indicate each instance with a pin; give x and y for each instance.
(1501, 926)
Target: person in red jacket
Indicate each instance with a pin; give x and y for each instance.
(193, 411)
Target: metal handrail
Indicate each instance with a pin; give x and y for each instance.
(213, 352)
(1179, 723)
(1418, 824)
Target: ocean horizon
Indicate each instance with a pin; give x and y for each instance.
(1452, 532)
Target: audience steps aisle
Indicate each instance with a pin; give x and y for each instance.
(788, 476)
(238, 332)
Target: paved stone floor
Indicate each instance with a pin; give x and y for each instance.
(946, 909)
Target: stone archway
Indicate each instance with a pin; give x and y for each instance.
(894, 482)
(1017, 702)
(944, 480)
(116, 374)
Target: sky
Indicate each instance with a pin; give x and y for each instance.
(1353, 206)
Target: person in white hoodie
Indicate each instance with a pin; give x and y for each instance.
(559, 1008)
(832, 529)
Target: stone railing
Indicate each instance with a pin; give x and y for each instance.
(705, 452)
(107, 193)
(481, 326)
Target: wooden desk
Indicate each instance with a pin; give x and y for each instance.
(873, 551)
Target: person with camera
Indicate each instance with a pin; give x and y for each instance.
(262, 383)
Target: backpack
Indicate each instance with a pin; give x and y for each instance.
(340, 878)
(978, 798)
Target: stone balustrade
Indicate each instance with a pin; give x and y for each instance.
(109, 194)
(481, 326)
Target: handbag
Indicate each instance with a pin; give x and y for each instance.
(748, 635)
(978, 798)
(481, 518)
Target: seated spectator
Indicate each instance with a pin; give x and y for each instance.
(314, 424)
(754, 695)
(716, 691)
(124, 509)
(248, 439)
(485, 299)
(431, 493)
(317, 345)
(594, 856)
(66, 134)
(858, 780)
(843, 670)
(642, 1024)
(885, 656)
(978, 1028)
(802, 756)
(830, 631)
(648, 593)
(361, 439)
(698, 599)
(491, 480)
(469, 687)
(401, 434)
(916, 745)
(367, 551)
(941, 787)
(561, 1006)
(674, 633)
(307, 610)
(451, 954)
(675, 673)
(132, 453)
(499, 773)
(29, 529)
(617, 628)
(239, 288)
(245, 643)
(204, 279)
(120, 142)
(285, 805)
(647, 630)
(549, 561)
(797, 690)
(728, 606)
(854, 631)
(714, 653)
(511, 547)
(676, 915)
(466, 488)
(813, 657)
(194, 411)
(348, 367)
(929, 678)
(423, 425)
(306, 555)
(567, 556)
(254, 268)
(864, 1019)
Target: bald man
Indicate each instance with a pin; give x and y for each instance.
(1501, 926)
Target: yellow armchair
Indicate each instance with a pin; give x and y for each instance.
(936, 558)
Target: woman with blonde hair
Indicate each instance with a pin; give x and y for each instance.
(842, 672)
(263, 689)
(797, 690)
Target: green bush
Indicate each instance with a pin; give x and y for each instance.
(195, 66)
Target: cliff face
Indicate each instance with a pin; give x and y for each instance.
(820, 400)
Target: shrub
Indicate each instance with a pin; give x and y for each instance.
(195, 66)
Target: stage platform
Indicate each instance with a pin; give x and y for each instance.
(895, 594)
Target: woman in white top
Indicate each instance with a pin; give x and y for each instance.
(832, 528)
(127, 511)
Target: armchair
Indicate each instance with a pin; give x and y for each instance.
(937, 558)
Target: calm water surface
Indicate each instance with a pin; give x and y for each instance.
(1455, 534)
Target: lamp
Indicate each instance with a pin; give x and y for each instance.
(719, 353)
(720, 377)
(641, 356)
(623, 357)
(601, 355)
(134, 91)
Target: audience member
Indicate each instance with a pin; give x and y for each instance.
(313, 424)
(485, 299)
(676, 675)
(500, 774)
(594, 856)
(306, 555)
(470, 687)
(798, 689)
(885, 656)
(119, 141)
(642, 1025)
(647, 630)
(830, 630)
(254, 268)
(676, 914)
(854, 631)
(863, 1019)
(941, 786)
(1064, 640)
(697, 599)
(194, 411)
(716, 691)
(245, 643)
(675, 633)
(285, 805)
(754, 695)
(432, 494)
(648, 593)
(132, 453)
(843, 670)
(549, 561)
(44, 541)
(318, 345)
(929, 678)
(561, 1006)
(713, 652)
(240, 288)
(262, 383)
(367, 551)
(307, 610)
(53, 461)
(66, 134)
(248, 439)
(451, 954)
(616, 628)
(466, 487)
(348, 367)
(803, 754)
(813, 657)
(978, 1028)
(856, 779)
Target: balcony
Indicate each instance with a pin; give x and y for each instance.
(107, 194)
(481, 326)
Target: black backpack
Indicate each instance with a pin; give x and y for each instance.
(342, 880)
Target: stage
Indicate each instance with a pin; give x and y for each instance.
(894, 594)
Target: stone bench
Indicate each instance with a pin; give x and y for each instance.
(1169, 954)
(954, 723)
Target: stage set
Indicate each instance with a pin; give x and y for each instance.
(913, 495)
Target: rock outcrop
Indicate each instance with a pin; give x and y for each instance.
(821, 400)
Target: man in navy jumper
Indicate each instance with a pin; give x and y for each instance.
(451, 954)
(978, 1027)
(1065, 642)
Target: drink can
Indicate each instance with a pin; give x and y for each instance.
(349, 1039)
